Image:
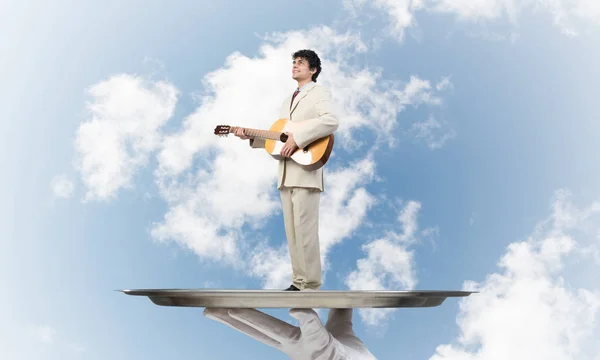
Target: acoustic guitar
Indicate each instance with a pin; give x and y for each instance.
(311, 157)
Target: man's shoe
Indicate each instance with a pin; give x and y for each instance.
(292, 288)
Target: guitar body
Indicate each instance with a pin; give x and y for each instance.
(311, 157)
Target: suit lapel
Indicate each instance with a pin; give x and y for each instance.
(301, 96)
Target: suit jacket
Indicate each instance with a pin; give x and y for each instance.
(312, 108)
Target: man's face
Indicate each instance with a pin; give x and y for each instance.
(300, 70)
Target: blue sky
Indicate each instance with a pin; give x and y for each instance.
(477, 122)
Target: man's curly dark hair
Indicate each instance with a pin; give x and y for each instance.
(313, 61)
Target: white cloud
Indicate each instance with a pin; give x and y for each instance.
(434, 132)
(417, 91)
(389, 264)
(570, 16)
(401, 11)
(444, 84)
(478, 9)
(220, 191)
(346, 202)
(271, 265)
(367, 102)
(62, 186)
(532, 308)
(125, 116)
(386, 263)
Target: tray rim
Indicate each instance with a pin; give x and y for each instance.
(277, 292)
(240, 298)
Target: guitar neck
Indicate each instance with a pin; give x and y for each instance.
(263, 134)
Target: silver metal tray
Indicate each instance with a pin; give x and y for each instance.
(296, 299)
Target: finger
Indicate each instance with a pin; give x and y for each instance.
(339, 322)
(223, 316)
(272, 327)
(340, 316)
(311, 327)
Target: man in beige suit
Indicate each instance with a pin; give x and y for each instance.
(300, 189)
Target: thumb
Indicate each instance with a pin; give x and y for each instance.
(311, 327)
(304, 315)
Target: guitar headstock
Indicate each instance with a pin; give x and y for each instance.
(222, 130)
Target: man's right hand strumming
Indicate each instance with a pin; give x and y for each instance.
(239, 132)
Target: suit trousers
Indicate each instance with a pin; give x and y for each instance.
(301, 220)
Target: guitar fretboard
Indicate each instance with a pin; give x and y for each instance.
(264, 134)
